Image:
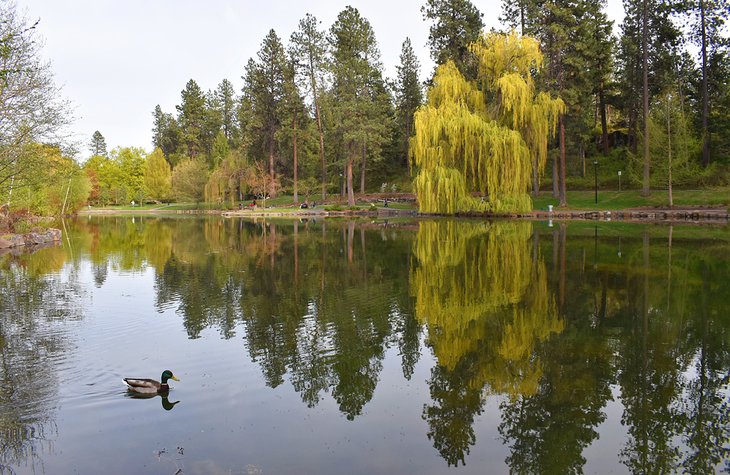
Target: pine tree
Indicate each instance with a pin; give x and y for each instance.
(97, 144)
(357, 82)
(709, 18)
(191, 118)
(264, 89)
(408, 95)
(456, 24)
(309, 44)
(226, 103)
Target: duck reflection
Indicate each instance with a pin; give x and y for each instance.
(166, 403)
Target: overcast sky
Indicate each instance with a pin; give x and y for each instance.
(116, 60)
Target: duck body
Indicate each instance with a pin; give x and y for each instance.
(150, 386)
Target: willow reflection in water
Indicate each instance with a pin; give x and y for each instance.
(483, 296)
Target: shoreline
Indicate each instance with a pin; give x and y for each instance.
(685, 214)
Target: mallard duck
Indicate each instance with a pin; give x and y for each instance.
(150, 386)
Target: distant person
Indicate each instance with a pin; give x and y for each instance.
(304, 205)
(253, 204)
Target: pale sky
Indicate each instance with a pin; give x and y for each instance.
(115, 60)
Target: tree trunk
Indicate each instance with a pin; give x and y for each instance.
(604, 121)
(296, 172)
(321, 151)
(271, 166)
(556, 182)
(535, 177)
(705, 90)
(407, 158)
(350, 191)
(563, 197)
(645, 65)
(362, 169)
(669, 149)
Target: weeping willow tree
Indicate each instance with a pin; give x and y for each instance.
(487, 135)
(484, 299)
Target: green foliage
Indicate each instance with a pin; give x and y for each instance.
(360, 103)
(97, 144)
(130, 170)
(62, 186)
(227, 183)
(32, 109)
(188, 180)
(264, 92)
(191, 118)
(226, 109)
(408, 96)
(157, 177)
(456, 25)
(468, 139)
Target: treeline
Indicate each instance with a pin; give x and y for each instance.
(315, 116)
(318, 113)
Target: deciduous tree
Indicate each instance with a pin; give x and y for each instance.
(157, 177)
(485, 140)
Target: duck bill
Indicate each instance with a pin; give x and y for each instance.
(174, 378)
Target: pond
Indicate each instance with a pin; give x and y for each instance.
(367, 347)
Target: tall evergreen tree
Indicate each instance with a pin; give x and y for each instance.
(356, 71)
(226, 103)
(264, 88)
(709, 19)
(648, 38)
(456, 24)
(191, 118)
(97, 144)
(408, 95)
(309, 44)
(166, 135)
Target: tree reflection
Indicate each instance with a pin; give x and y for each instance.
(32, 307)
(552, 321)
(484, 300)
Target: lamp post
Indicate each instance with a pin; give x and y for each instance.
(619, 180)
(595, 175)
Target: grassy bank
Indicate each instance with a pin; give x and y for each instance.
(617, 200)
(577, 200)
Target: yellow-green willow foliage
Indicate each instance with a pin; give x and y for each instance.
(226, 183)
(486, 136)
(482, 296)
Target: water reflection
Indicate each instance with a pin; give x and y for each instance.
(34, 306)
(164, 399)
(482, 294)
(553, 324)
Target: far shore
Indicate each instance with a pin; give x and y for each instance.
(678, 214)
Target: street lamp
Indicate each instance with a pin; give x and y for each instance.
(595, 174)
(619, 180)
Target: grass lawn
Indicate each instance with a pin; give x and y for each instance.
(615, 200)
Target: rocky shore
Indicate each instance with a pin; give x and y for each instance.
(10, 241)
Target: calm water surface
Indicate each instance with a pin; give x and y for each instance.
(366, 347)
